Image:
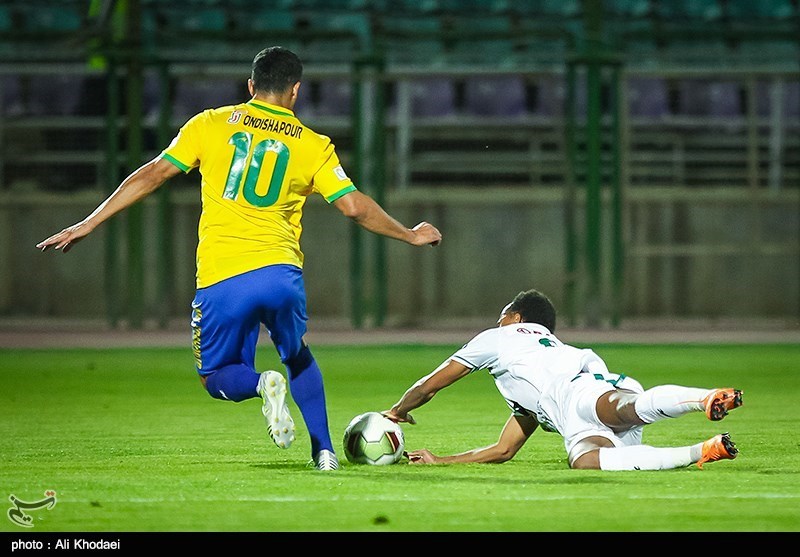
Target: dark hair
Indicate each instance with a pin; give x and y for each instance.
(535, 307)
(276, 69)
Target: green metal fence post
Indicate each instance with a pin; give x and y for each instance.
(378, 157)
(593, 195)
(111, 253)
(356, 253)
(570, 201)
(617, 217)
(593, 55)
(135, 85)
(165, 220)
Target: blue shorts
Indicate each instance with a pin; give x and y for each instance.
(227, 316)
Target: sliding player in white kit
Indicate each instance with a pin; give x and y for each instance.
(568, 390)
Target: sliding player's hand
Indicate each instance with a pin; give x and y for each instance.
(398, 418)
(422, 456)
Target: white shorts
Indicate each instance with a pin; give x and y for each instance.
(569, 406)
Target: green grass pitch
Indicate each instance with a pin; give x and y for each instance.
(130, 442)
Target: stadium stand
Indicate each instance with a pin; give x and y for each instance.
(482, 39)
(763, 10)
(335, 97)
(256, 18)
(703, 97)
(495, 96)
(433, 97)
(476, 100)
(648, 96)
(689, 10)
(5, 19)
(54, 94)
(510, 58)
(195, 95)
(12, 97)
(408, 40)
(38, 17)
(789, 98)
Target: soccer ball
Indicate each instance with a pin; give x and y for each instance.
(372, 438)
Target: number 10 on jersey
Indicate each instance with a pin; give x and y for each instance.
(242, 149)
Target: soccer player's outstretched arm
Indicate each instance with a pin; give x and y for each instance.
(423, 390)
(139, 184)
(367, 213)
(516, 431)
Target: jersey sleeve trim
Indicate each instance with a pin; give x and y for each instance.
(340, 193)
(176, 162)
(463, 362)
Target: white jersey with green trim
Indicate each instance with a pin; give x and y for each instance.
(523, 359)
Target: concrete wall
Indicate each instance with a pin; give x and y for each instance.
(706, 255)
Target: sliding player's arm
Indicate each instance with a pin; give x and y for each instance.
(423, 390)
(514, 435)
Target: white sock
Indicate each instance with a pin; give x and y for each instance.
(669, 401)
(645, 457)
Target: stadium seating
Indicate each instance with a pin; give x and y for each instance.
(629, 8)
(761, 9)
(411, 40)
(462, 58)
(791, 97)
(479, 6)
(689, 10)
(329, 5)
(260, 19)
(495, 96)
(195, 95)
(433, 97)
(790, 93)
(648, 97)
(6, 22)
(57, 94)
(704, 97)
(11, 99)
(47, 17)
(548, 8)
(335, 98)
(551, 96)
(483, 39)
(725, 98)
(304, 107)
(414, 7)
(204, 19)
(338, 36)
(772, 52)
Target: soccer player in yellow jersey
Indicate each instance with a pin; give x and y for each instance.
(258, 164)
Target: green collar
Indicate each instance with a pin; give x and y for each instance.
(266, 107)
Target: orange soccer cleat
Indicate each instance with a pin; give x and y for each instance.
(718, 403)
(719, 447)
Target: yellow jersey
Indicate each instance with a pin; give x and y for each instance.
(258, 165)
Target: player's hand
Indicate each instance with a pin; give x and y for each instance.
(422, 456)
(426, 234)
(398, 418)
(65, 239)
